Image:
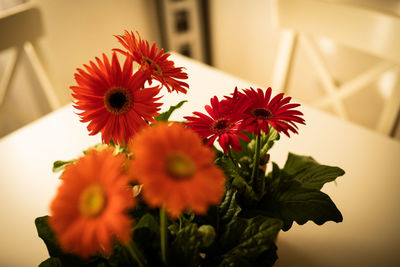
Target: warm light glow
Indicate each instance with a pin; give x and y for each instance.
(327, 46)
(386, 83)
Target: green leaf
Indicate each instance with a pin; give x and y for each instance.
(274, 178)
(310, 173)
(60, 165)
(55, 252)
(246, 156)
(233, 173)
(265, 259)
(185, 249)
(51, 262)
(245, 190)
(119, 257)
(268, 258)
(147, 233)
(294, 192)
(267, 141)
(229, 208)
(302, 204)
(231, 233)
(48, 236)
(229, 168)
(249, 238)
(148, 222)
(165, 115)
(290, 201)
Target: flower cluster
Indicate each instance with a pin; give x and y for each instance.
(157, 193)
(250, 110)
(93, 200)
(116, 101)
(92, 204)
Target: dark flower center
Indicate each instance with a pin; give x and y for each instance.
(118, 100)
(220, 126)
(262, 113)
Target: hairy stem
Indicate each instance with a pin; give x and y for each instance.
(254, 174)
(163, 234)
(136, 254)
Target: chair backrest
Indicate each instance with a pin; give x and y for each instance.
(18, 25)
(370, 31)
(365, 29)
(20, 29)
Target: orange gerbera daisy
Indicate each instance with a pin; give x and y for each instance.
(113, 100)
(154, 60)
(89, 210)
(176, 170)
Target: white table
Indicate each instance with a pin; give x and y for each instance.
(368, 195)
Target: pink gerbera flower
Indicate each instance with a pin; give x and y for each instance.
(223, 123)
(263, 111)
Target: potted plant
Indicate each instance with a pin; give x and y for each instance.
(202, 192)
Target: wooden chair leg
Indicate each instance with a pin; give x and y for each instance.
(358, 83)
(391, 110)
(328, 83)
(284, 60)
(8, 72)
(42, 76)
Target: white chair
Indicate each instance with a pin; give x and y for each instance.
(20, 27)
(370, 31)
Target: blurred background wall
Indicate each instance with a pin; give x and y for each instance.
(244, 42)
(74, 32)
(240, 38)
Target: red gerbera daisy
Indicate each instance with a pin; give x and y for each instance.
(264, 111)
(223, 123)
(154, 60)
(113, 100)
(90, 208)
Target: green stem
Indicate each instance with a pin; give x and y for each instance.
(263, 180)
(180, 222)
(254, 174)
(136, 254)
(231, 157)
(163, 234)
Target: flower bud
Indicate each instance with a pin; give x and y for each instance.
(207, 233)
(264, 159)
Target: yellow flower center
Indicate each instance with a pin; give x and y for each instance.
(118, 100)
(179, 166)
(92, 201)
(157, 69)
